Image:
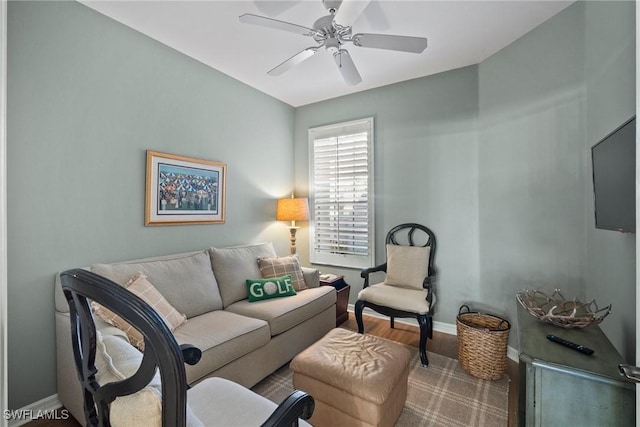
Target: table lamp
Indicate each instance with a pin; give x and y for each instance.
(293, 209)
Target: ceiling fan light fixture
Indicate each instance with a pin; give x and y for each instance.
(332, 45)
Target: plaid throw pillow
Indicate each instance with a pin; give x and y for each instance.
(140, 286)
(278, 267)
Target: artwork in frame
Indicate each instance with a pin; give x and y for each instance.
(184, 190)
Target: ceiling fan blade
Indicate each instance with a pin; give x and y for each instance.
(347, 68)
(249, 18)
(376, 17)
(293, 61)
(385, 41)
(349, 11)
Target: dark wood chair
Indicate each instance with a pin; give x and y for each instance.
(161, 352)
(414, 299)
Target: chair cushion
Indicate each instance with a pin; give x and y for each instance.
(140, 286)
(406, 299)
(185, 280)
(222, 337)
(283, 314)
(276, 267)
(275, 287)
(407, 266)
(233, 266)
(221, 402)
(116, 360)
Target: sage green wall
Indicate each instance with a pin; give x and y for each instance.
(544, 101)
(533, 165)
(86, 97)
(496, 159)
(426, 170)
(610, 76)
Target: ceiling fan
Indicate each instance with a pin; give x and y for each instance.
(332, 32)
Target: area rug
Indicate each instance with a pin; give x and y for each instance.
(442, 394)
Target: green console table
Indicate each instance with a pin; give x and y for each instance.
(561, 387)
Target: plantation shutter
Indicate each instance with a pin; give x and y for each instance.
(342, 195)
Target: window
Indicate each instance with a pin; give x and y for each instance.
(341, 184)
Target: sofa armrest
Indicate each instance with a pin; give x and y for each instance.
(311, 277)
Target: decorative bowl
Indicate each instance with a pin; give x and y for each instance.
(559, 311)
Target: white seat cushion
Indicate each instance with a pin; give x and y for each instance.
(406, 299)
(220, 402)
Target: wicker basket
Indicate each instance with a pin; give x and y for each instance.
(482, 343)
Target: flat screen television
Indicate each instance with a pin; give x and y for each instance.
(614, 179)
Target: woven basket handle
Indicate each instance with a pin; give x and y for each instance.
(499, 327)
(464, 306)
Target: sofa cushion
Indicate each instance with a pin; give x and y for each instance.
(185, 280)
(233, 266)
(223, 337)
(117, 360)
(283, 314)
(407, 266)
(277, 267)
(140, 286)
(276, 287)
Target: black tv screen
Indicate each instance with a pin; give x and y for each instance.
(614, 178)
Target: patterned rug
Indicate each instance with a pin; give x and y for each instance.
(441, 395)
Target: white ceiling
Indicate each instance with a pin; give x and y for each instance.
(460, 33)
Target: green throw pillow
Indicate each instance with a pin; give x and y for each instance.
(275, 287)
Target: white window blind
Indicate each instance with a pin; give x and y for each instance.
(341, 158)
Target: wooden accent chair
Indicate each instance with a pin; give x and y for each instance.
(161, 352)
(407, 290)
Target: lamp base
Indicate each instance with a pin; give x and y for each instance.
(292, 239)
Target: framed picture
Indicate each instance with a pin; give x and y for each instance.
(184, 190)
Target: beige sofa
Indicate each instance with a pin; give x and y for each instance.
(240, 341)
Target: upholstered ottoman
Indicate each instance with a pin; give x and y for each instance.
(355, 379)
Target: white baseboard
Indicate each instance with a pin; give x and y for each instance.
(445, 328)
(42, 409)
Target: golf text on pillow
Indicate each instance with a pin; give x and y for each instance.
(274, 287)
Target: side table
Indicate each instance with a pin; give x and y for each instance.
(342, 293)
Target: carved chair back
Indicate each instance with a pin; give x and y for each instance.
(411, 234)
(161, 349)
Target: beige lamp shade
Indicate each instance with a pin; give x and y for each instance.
(292, 209)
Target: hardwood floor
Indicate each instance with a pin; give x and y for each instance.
(443, 344)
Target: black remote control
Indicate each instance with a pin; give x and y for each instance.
(577, 347)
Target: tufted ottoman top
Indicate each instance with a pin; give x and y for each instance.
(362, 365)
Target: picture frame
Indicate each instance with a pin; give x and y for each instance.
(184, 190)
